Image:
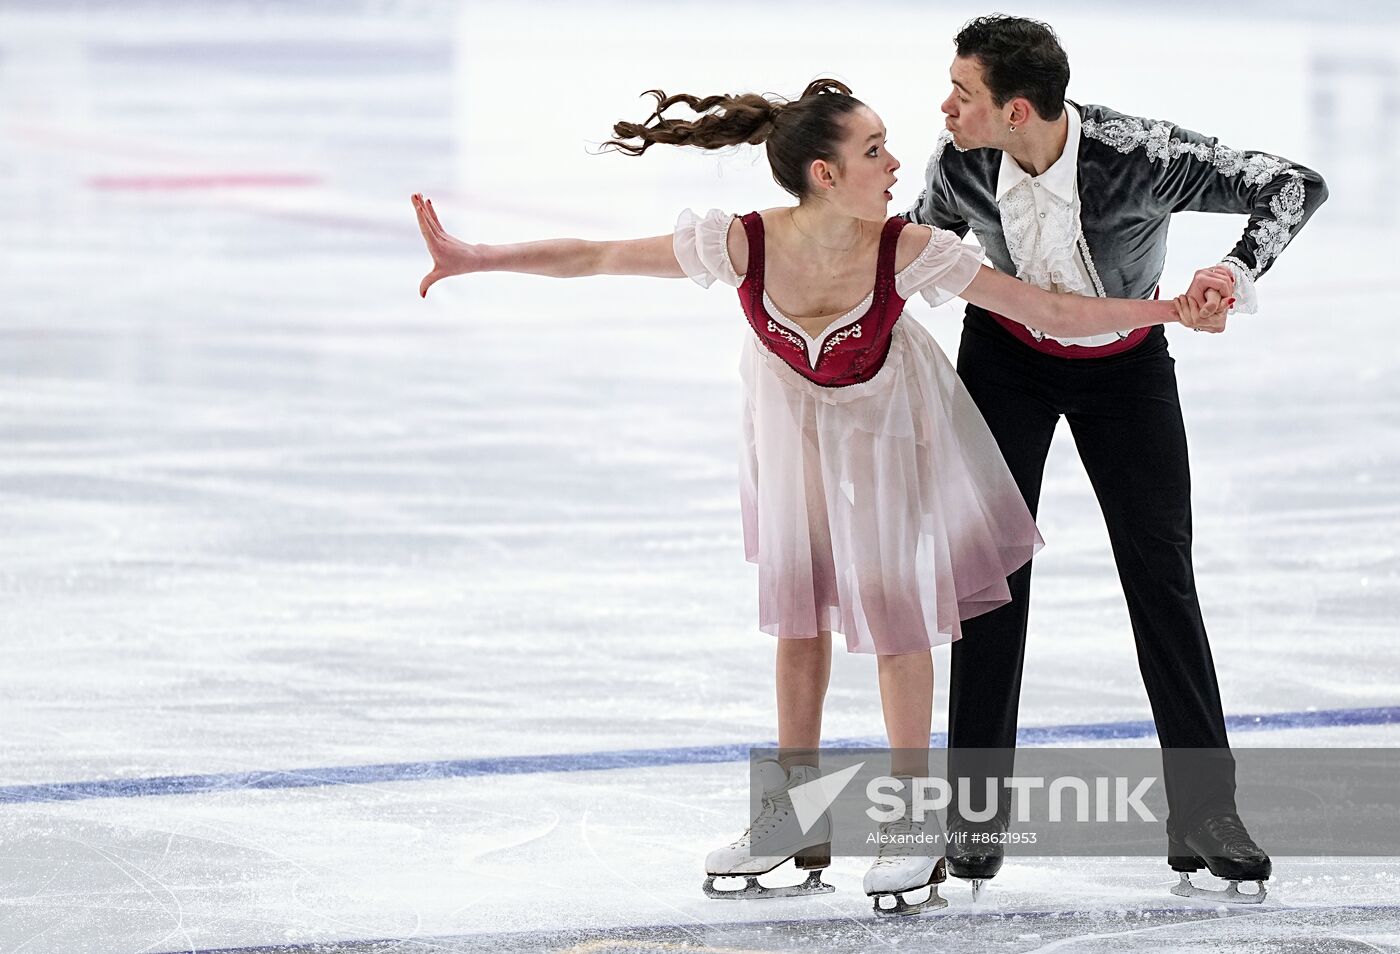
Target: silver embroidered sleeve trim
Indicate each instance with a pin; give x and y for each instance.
(1272, 235)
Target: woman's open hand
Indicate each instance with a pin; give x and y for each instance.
(450, 256)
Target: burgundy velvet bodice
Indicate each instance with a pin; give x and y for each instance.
(851, 349)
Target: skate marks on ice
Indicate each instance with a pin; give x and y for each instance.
(465, 864)
(1208, 929)
(1332, 931)
(193, 880)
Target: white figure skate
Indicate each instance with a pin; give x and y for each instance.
(909, 859)
(775, 824)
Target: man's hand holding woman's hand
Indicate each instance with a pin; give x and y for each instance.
(1207, 302)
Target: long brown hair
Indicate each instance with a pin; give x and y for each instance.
(794, 132)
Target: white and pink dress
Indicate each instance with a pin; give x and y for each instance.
(875, 501)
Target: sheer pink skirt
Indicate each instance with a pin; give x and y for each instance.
(882, 511)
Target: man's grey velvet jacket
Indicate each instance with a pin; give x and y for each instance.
(1133, 174)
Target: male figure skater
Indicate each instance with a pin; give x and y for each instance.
(1078, 199)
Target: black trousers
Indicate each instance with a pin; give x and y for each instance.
(1125, 416)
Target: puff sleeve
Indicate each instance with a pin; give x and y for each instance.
(941, 271)
(702, 247)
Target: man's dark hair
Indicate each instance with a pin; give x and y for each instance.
(1019, 57)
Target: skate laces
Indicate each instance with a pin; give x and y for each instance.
(896, 847)
(768, 818)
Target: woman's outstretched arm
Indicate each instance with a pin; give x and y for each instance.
(558, 258)
(1071, 316)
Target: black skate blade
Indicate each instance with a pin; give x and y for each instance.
(904, 908)
(754, 891)
(1230, 895)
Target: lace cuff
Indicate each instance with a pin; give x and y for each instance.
(702, 247)
(943, 269)
(1246, 297)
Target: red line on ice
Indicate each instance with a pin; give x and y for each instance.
(217, 181)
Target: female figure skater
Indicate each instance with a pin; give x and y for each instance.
(875, 501)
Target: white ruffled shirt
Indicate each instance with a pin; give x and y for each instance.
(939, 272)
(1040, 220)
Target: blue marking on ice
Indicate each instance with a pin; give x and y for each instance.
(625, 759)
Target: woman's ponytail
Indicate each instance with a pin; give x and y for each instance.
(735, 119)
(795, 133)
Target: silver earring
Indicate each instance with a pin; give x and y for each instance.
(1013, 128)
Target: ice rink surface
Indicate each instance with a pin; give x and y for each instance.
(301, 576)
